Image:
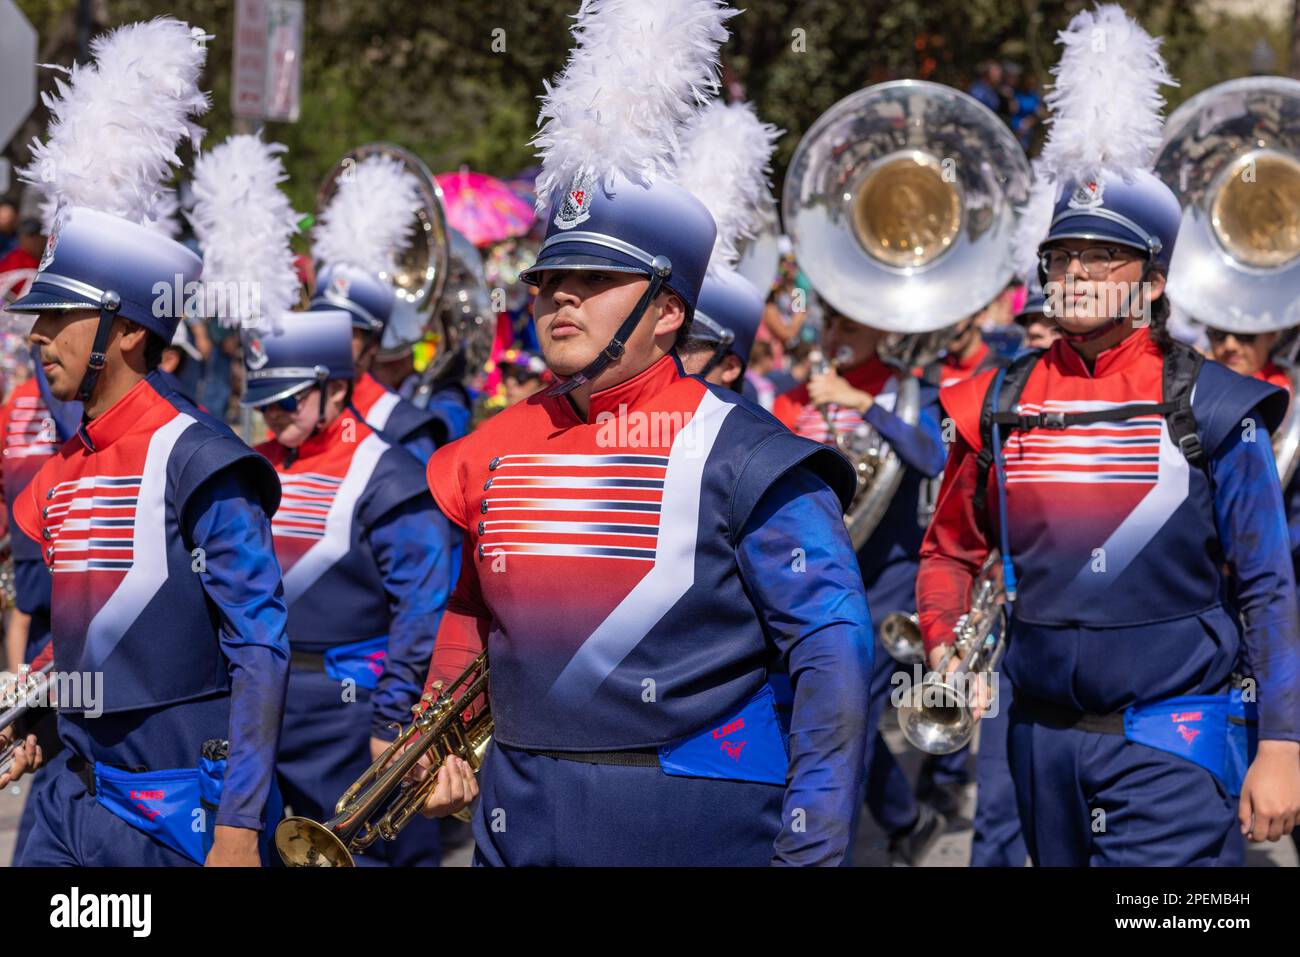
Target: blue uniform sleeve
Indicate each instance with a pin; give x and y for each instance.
(412, 546)
(919, 446)
(1252, 526)
(241, 576)
(421, 445)
(800, 571)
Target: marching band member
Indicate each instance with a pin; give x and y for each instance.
(1123, 744)
(363, 550)
(154, 517)
(367, 570)
(863, 393)
(676, 506)
(368, 221)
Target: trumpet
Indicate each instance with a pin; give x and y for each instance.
(936, 716)
(382, 801)
(20, 694)
(900, 634)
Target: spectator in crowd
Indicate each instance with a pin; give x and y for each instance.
(26, 253)
(8, 227)
(987, 87)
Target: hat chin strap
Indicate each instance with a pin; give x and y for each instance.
(661, 270)
(109, 303)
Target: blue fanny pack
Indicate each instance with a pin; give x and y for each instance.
(1218, 732)
(177, 808)
(750, 746)
(362, 661)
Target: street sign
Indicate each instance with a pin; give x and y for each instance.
(17, 76)
(267, 68)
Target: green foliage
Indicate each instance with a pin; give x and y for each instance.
(427, 76)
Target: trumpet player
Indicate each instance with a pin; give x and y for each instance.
(859, 393)
(1117, 496)
(630, 530)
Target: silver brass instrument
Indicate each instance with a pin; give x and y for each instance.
(422, 266)
(936, 715)
(383, 799)
(900, 634)
(464, 321)
(1232, 156)
(901, 202)
(18, 695)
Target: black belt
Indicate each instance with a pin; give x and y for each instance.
(1057, 716)
(86, 771)
(306, 661)
(633, 758)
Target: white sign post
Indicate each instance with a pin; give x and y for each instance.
(17, 76)
(267, 68)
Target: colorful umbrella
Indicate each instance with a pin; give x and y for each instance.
(483, 208)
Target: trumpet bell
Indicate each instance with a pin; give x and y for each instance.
(935, 719)
(901, 201)
(302, 842)
(1232, 157)
(900, 634)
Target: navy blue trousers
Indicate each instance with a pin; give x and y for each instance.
(997, 841)
(537, 811)
(324, 748)
(1091, 799)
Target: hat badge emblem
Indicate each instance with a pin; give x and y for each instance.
(575, 208)
(1087, 195)
(51, 244)
(256, 355)
(342, 285)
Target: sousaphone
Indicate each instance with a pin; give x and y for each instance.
(901, 202)
(1232, 156)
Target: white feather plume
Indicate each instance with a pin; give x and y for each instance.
(1033, 224)
(368, 222)
(244, 224)
(1106, 104)
(726, 163)
(116, 122)
(638, 72)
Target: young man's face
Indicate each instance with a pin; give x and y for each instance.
(65, 339)
(577, 312)
(845, 334)
(1083, 299)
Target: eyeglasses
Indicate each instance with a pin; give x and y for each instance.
(1218, 335)
(1097, 261)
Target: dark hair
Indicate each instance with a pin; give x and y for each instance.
(154, 345)
(1160, 312)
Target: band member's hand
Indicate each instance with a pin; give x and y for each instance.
(234, 847)
(27, 758)
(455, 790)
(977, 688)
(1269, 808)
(830, 389)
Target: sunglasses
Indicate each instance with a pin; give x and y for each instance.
(1218, 335)
(289, 403)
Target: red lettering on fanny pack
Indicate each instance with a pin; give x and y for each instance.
(148, 795)
(727, 729)
(1186, 716)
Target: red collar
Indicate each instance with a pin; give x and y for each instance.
(322, 441)
(366, 391)
(126, 415)
(1118, 358)
(629, 394)
(965, 365)
(1274, 374)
